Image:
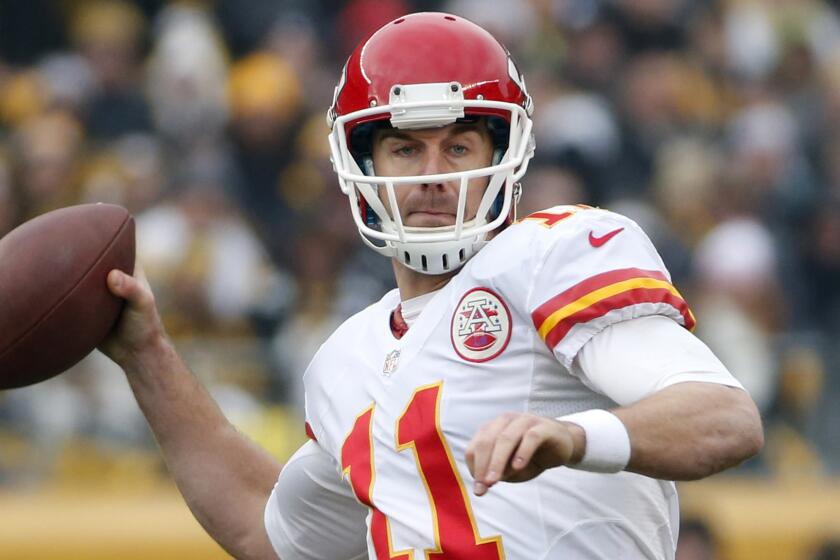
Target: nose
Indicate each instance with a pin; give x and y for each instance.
(433, 164)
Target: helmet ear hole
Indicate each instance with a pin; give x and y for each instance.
(500, 132)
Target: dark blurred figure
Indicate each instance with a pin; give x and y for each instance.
(129, 172)
(769, 174)
(550, 185)
(794, 425)
(109, 34)
(319, 260)
(246, 29)
(696, 541)
(28, 30)
(297, 38)
(579, 131)
(648, 111)
(264, 96)
(822, 267)
(651, 24)
(46, 152)
(594, 55)
(686, 186)
(828, 551)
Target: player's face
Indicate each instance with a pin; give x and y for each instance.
(456, 147)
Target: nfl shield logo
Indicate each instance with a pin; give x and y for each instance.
(391, 361)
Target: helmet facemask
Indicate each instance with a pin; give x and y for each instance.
(432, 250)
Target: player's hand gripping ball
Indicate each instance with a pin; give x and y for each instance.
(55, 306)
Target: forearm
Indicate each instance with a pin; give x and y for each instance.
(691, 430)
(224, 477)
(688, 430)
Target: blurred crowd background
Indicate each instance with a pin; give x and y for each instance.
(714, 124)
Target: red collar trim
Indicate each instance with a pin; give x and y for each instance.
(398, 324)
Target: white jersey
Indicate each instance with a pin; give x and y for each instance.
(396, 415)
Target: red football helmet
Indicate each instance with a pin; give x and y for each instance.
(421, 71)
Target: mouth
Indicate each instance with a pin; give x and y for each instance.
(429, 218)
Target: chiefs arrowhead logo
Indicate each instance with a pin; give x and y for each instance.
(481, 325)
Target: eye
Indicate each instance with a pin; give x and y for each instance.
(405, 150)
(458, 149)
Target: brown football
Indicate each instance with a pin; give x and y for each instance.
(55, 307)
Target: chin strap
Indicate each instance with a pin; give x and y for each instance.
(514, 203)
(499, 203)
(368, 215)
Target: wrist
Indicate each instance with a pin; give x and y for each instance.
(604, 443)
(578, 441)
(149, 357)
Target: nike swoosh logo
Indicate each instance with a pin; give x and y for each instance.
(599, 241)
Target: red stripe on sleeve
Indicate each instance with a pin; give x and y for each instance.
(618, 301)
(590, 285)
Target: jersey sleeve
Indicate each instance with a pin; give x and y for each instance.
(634, 359)
(316, 398)
(594, 269)
(311, 514)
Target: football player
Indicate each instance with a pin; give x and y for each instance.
(529, 391)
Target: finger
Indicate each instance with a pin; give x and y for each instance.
(531, 440)
(481, 444)
(480, 449)
(551, 440)
(506, 442)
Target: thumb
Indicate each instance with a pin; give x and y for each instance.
(117, 283)
(122, 285)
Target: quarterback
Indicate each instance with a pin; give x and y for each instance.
(529, 391)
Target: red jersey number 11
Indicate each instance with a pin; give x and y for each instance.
(418, 429)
